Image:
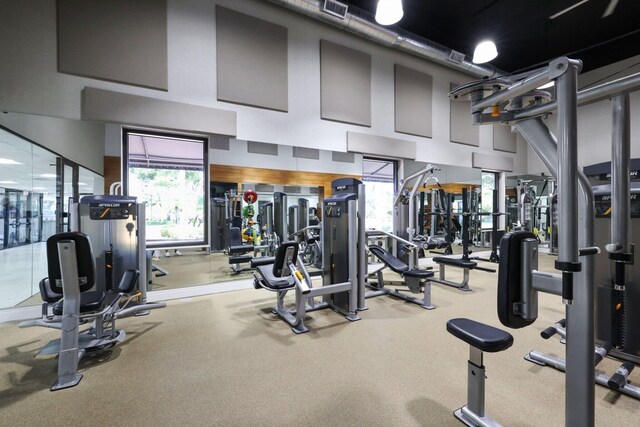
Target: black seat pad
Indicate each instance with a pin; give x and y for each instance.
(481, 336)
(421, 274)
(240, 249)
(456, 262)
(389, 260)
(264, 260)
(240, 259)
(89, 301)
(273, 282)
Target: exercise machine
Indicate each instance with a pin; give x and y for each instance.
(82, 287)
(342, 262)
(416, 280)
(517, 101)
(464, 262)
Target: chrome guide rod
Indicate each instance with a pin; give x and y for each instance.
(620, 154)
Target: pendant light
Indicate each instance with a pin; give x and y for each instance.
(389, 12)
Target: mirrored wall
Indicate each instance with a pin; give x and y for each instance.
(36, 186)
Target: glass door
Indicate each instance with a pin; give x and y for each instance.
(67, 192)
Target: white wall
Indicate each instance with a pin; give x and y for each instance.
(80, 142)
(237, 155)
(29, 81)
(594, 120)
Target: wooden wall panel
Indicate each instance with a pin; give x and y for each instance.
(453, 187)
(112, 171)
(238, 174)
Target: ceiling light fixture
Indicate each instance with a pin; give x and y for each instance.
(389, 12)
(485, 52)
(48, 175)
(563, 11)
(8, 182)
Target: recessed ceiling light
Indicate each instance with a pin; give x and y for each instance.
(8, 182)
(4, 161)
(48, 175)
(39, 188)
(82, 183)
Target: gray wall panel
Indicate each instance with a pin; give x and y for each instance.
(251, 61)
(116, 107)
(504, 139)
(337, 156)
(490, 162)
(460, 127)
(219, 143)
(413, 102)
(306, 153)
(345, 84)
(380, 145)
(117, 40)
(262, 148)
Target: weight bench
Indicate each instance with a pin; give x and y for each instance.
(463, 263)
(415, 279)
(237, 256)
(481, 338)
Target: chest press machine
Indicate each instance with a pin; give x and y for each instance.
(519, 281)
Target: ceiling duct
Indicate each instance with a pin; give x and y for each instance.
(419, 47)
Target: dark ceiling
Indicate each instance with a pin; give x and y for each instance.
(525, 35)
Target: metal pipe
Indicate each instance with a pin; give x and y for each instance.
(620, 154)
(588, 96)
(412, 45)
(362, 247)
(353, 258)
(567, 166)
(579, 389)
(405, 182)
(523, 86)
(393, 236)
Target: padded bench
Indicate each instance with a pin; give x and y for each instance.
(464, 263)
(414, 278)
(480, 338)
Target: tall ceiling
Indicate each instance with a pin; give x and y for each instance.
(523, 30)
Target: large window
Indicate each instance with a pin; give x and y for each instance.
(169, 174)
(379, 176)
(489, 183)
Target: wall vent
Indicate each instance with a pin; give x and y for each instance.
(456, 57)
(335, 8)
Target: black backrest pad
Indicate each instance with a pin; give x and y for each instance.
(128, 281)
(392, 262)
(509, 278)
(287, 253)
(84, 256)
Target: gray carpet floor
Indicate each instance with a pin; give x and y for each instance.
(225, 360)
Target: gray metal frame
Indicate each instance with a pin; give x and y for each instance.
(413, 283)
(463, 286)
(305, 293)
(575, 207)
(416, 178)
(472, 414)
